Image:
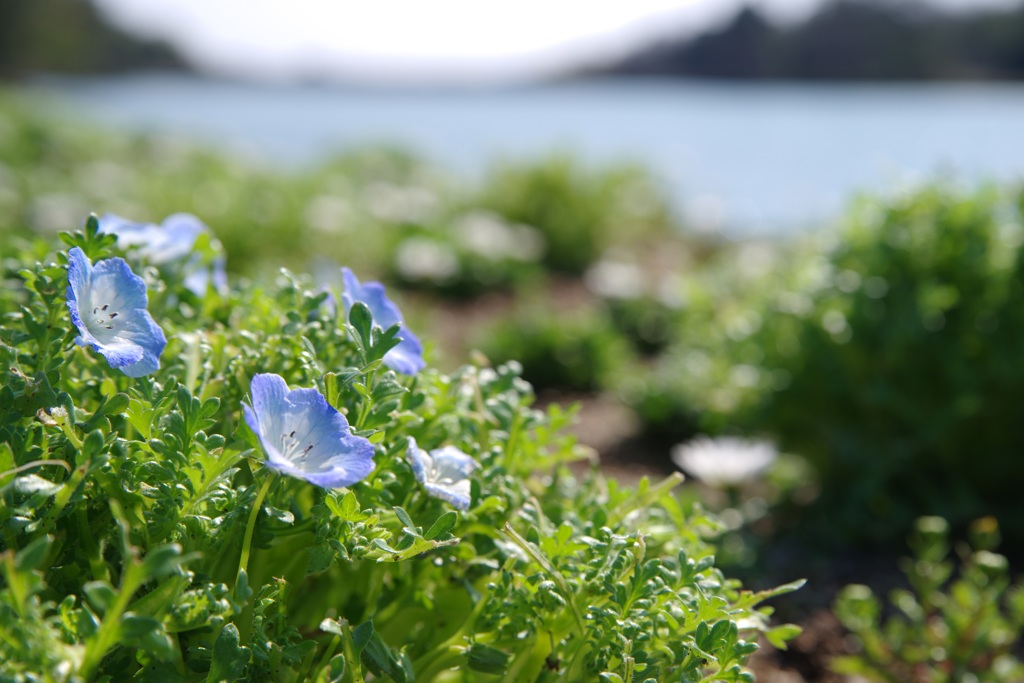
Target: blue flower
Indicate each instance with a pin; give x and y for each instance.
(407, 357)
(444, 472)
(108, 306)
(304, 436)
(172, 242)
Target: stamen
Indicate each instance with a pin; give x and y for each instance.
(105, 306)
(113, 315)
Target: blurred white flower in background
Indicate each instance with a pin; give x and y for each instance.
(724, 461)
(419, 258)
(399, 203)
(615, 279)
(490, 236)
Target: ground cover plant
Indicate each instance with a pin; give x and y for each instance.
(960, 622)
(260, 481)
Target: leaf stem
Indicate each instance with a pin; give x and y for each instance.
(243, 562)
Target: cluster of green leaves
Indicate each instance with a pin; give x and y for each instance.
(580, 212)
(882, 354)
(580, 351)
(142, 536)
(910, 360)
(948, 628)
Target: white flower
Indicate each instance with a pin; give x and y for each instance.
(443, 472)
(724, 461)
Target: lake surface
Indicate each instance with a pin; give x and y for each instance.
(745, 158)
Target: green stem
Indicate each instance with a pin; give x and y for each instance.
(106, 636)
(36, 463)
(243, 562)
(434, 660)
(556, 576)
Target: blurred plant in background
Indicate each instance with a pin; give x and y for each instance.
(959, 623)
(906, 373)
(579, 211)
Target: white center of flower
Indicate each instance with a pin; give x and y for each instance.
(103, 322)
(293, 448)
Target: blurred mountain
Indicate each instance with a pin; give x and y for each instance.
(846, 40)
(72, 36)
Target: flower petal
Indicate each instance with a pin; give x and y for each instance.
(304, 436)
(443, 472)
(456, 494)
(407, 356)
(79, 271)
(134, 342)
(419, 460)
(114, 284)
(452, 464)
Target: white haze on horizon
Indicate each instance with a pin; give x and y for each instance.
(447, 41)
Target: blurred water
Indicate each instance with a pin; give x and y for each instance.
(747, 158)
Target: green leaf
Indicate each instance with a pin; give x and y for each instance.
(442, 525)
(32, 555)
(406, 520)
(332, 388)
(361, 636)
(361, 320)
(487, 659)
(229, 658)
(101, 595)
(134, 626)
(337, 670)
(347, 509)
(377, 656)
(162, 560)
(779, 635)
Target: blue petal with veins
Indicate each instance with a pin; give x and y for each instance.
(107, 303)
(407, 356)
(304, 436)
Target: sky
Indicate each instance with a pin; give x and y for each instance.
(473, 41)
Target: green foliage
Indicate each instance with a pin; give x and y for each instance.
(579, 351)
(580, 213)
(381, 208)
(947, 628)
(142, 536)
(903, 389)
(732, 329)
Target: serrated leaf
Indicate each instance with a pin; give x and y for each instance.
(162, 560)
(361, 320)
(229, 658)
(779, 635)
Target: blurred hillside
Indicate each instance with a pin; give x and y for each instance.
(71, 36)
(847, 40)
